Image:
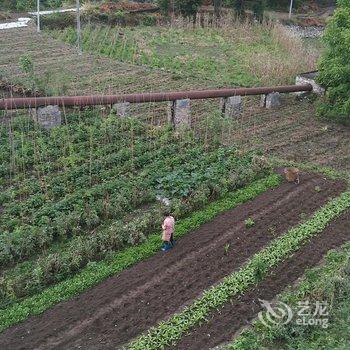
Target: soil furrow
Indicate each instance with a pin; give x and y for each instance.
(125, 305)
(223, 324)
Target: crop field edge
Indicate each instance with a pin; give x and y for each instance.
(169, 331)
(334, 261)
(96, 272)
(327, 171)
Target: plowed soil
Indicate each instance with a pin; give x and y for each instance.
(238, 313)
(120, 308)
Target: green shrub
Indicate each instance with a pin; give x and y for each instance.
(120, 17)
(188, 8)
(148, 20)
(58, 20)
(335, 66)
(23, 5)
(164, 6)
(29, 5)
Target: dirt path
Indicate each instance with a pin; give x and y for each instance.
(222, 325)
(125, 305)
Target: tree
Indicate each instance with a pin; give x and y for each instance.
(217, 8)
(335, 65)
(188, 8)
(165, 6)
(258, 8)
(238, 6)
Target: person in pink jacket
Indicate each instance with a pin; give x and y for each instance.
(168, 232)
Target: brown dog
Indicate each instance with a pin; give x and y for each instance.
(292, 175)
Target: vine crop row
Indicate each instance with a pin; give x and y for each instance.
(96, 272)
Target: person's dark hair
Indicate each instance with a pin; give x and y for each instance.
(167, 212)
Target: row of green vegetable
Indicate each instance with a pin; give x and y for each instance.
(111, 236)
(326, 286)
(59, 205)
(95, 272)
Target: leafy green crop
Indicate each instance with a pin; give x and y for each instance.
(68, 194)
(68, 182)
(96, 272)
(249, 222)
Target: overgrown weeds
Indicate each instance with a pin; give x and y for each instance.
(238, 53)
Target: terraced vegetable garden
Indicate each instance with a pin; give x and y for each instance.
(76, 184)
(248, 55)
(290, 132)
(225, 252)
(80, 215)
(57, 69)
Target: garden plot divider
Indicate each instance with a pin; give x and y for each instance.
(179, 107)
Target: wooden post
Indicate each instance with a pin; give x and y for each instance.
(38, 16)
(78, 29)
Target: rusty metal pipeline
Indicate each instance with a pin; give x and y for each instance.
(34, 102)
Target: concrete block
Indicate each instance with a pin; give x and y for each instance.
(263, 101)
(122, 109)
(273, 100)
(309, 78)
(179, 113)
(48, 117)
(232, 107)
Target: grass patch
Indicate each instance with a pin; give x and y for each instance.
(242, 54)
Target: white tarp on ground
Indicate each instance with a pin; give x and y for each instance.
(21, 22)
(51, 12)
